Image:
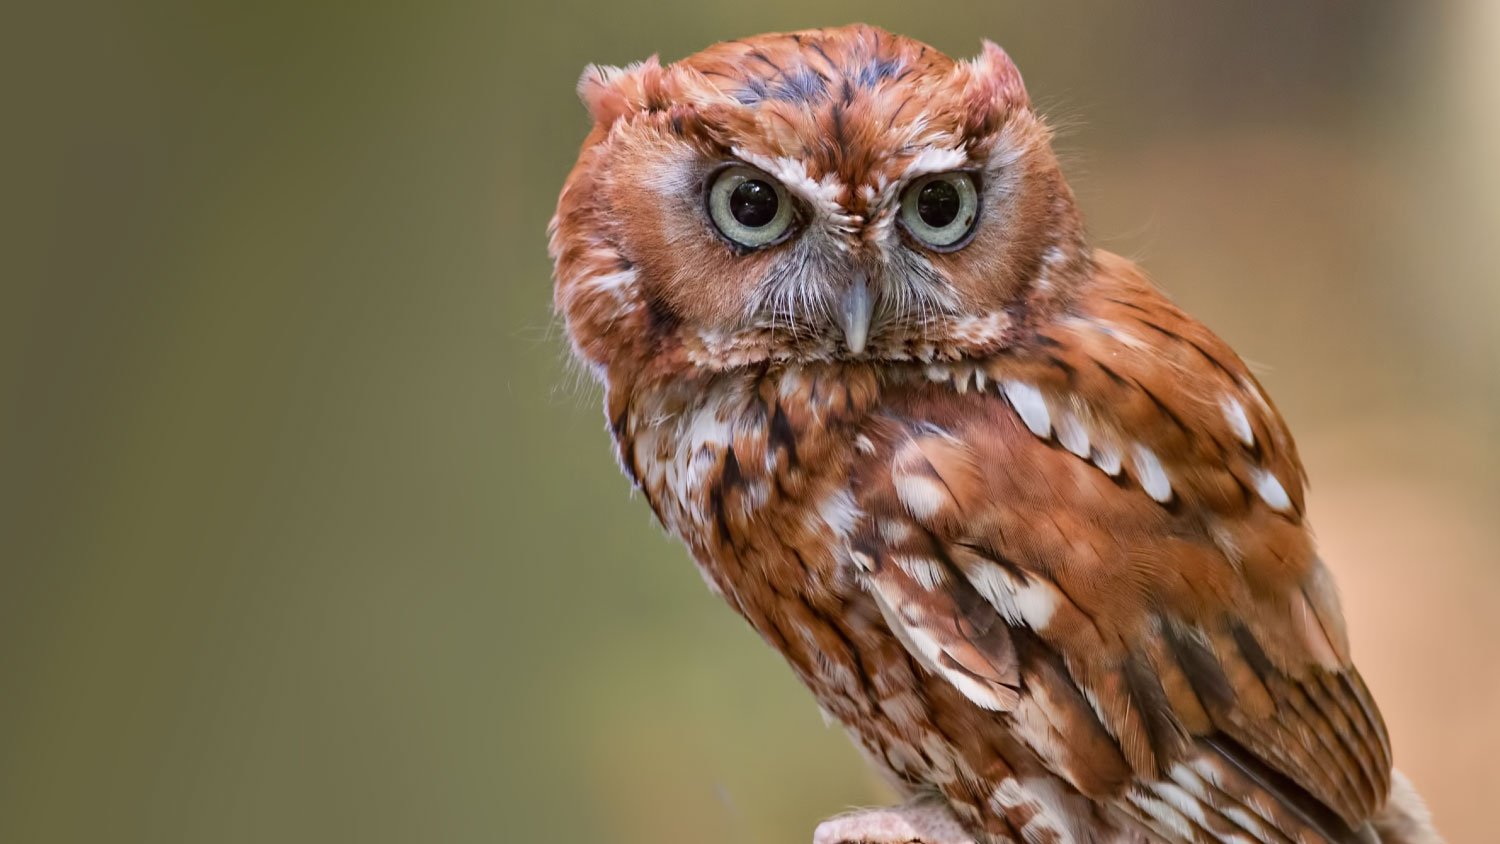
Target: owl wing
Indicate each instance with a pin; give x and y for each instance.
(1104, 545)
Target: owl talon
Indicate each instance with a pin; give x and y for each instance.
(924, 821)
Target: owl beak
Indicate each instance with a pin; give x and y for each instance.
(854, 313)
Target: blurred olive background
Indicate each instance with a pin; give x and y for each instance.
(309, 533)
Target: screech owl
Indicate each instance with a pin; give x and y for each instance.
(1030, 532)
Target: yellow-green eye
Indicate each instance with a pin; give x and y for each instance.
(749, 207)
(940, 209)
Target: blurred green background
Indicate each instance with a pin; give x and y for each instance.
(309, 533)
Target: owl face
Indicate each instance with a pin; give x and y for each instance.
(837, 194)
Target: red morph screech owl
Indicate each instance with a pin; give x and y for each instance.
(1033, 534)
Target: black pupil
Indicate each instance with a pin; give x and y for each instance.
(938, 203)
(753, 203)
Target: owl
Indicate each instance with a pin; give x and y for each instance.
(1031, 533)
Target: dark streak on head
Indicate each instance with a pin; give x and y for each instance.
(802, 85)
(876, 71)
(764, 59)
(818, 48)
(806, 84)
(839, 140)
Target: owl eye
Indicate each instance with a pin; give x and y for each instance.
(749, 207)
(940, 209)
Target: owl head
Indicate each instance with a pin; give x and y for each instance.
(829, 195)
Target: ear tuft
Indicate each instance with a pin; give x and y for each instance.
(611, 92)
(994, 67)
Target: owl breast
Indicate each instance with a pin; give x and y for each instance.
(754, 471)
(751, 471)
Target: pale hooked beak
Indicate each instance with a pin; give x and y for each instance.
(855, 308)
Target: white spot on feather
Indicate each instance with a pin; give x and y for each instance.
(1020, 601)
(1030, 406)
(612, 283)
(862, 561)
(1239, 423)
(1037, 601)
(995, 584)
(708, 427)
(1205, 772)
(1181, 801)
(894, 532)
(1190, 782)
(1008, 795)
(1071, 433)
(1107, 458)
(1270, 489)
(923, 496)
(960, 379)
(840, 512)
(1205, 769)
(977, 692)
(924, 571)
(1115, 332)
(1152, 476)
(1163, 814)
(1184, 776)
(1249, 822)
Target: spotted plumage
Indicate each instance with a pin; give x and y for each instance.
(1032, 533)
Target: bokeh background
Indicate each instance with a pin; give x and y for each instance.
(308, 532)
